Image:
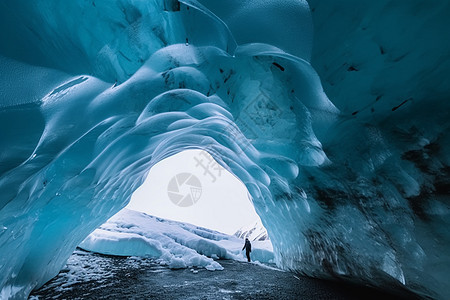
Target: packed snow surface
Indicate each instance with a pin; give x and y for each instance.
(341, 137)
(175, 244)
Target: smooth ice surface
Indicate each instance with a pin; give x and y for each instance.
(351, 185)
(175, 244)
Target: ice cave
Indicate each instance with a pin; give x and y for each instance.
(334, 114)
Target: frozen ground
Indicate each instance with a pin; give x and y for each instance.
(94, 276)
(137, 256)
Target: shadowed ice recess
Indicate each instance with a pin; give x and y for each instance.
(351, 182)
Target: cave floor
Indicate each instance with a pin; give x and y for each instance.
(93, 276)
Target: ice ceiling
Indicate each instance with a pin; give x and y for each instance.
(351, 183)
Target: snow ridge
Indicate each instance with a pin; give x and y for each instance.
(171, 243)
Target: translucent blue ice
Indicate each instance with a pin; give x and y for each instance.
(94, 93)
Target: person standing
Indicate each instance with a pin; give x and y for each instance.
(248, 248)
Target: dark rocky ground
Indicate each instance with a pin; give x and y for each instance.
(93, 276)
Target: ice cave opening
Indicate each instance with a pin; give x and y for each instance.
(189, 212)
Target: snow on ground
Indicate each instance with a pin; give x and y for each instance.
(171, 243)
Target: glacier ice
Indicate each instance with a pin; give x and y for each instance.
(171, 243)
(341, 137)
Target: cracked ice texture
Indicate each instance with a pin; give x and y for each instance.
(95, 93)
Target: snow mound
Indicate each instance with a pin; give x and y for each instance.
(177, 245)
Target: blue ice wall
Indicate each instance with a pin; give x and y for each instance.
(351, 185)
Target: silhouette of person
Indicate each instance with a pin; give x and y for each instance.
(248, 248)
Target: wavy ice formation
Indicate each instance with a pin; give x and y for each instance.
(94, 93)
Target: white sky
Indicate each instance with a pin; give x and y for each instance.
(223, 204)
